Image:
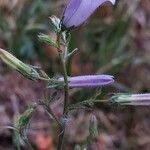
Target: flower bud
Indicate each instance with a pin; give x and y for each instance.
(131, 99)
(18, 65)
(89, 81)
(93, 128)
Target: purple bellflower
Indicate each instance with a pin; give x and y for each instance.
(78, 11)
(132, 99)
(89, 81)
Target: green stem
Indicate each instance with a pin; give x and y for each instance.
(101, 101)
(66, 94)
(44, 79)
(50, 112)
(69, 62)
(25, 139)
(28, 143)
(66, 88)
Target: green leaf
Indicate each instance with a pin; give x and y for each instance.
(21, 124)
(85, 103)
(72, 53)
(24, 119)
(56, 23)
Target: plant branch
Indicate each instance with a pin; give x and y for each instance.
(50, 112)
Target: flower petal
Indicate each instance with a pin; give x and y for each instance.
(78, 11)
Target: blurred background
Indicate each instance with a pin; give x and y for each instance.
(115, 40)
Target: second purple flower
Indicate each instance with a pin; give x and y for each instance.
(89, 81)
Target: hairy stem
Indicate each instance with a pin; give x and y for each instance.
(66, 94)
(50, 112)
(28, 143)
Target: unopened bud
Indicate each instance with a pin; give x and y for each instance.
(18, 65)
(131, 99)
(93, 129)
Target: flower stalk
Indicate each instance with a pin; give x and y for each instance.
(50, 112)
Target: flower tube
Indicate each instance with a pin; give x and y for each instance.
(132, 99)
(78, 11)
(89, 81)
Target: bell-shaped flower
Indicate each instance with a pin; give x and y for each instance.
(78, 11)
